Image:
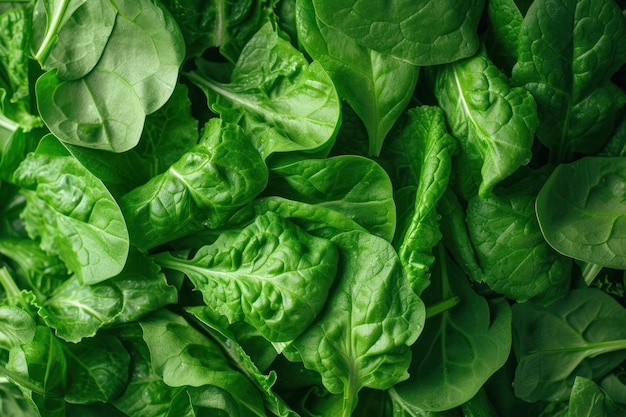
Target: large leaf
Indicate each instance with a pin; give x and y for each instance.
(203, 188)
(515, 259)
(581, 210)
(73, 213)
(460, 348)
(419, 160)
(283, 102)
(271, 275)
(362, 337)
(423, 32)
(582, 334)
(568, 52)
(494, 123)
(103, 106)
(354, 186)
(377, 86)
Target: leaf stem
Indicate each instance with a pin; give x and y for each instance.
(442, 306)
(8, 124)
(53, 27)
(590, 272)
(10, 287)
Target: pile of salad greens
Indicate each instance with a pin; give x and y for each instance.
(407, 208)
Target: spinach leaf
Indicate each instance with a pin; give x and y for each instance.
(73, 213)
(282, 102)
(581, 334)
(362, 337)
(104, 105)
(421, 32)
(568, 52)
(515, 259)
(419, 161)
(183, 356)
(203, 188)
(271, 274)
(588, 399)
(581, 210)
(506, 20)
(460, 347)
(376, 85)
(493, 122)
(226, 25)
(354, 186)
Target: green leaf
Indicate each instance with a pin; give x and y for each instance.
(97, 369)
(581, 210)
(582, 334)
(423, 32)
(282, 102)
(377, 86)
(568, 52)
(515, 259)
(505, 20)
(419, 161)
(588, 399)
(362, 337)
(66, 45)
(73, 213)
(460, 348)
(134, 75)
(183, 356)
(202, 189)
(494, 123)
(271, 274)
(354, 186)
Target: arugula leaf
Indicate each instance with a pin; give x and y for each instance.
(377, 86)
(362, 337)
(73, 213)
(494, 123)
(271, 274)
(422, 32)
(568, 52)
(589, 195)
(285, 105)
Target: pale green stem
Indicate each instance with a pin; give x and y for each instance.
(53, 27)
(590, 272)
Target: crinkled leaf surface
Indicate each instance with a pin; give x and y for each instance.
(568, 52)
(362, 337)
(271, 274)
(354, 186)
(419, 160)
(582, 210)
(460, 348)
(377, 86)
(204, 187)
(582, 334)
(422, 32)
(494, 122)
(283, 102)
(73, 213)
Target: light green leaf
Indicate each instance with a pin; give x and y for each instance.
(460, 348)
(362, 337)
(377, 86)
(422, 32)
(582, 211)
(282, 102)
(73, 213)
(588, 399)
(202, 189)
(568, 52)
(494, 123)
(271, 274)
